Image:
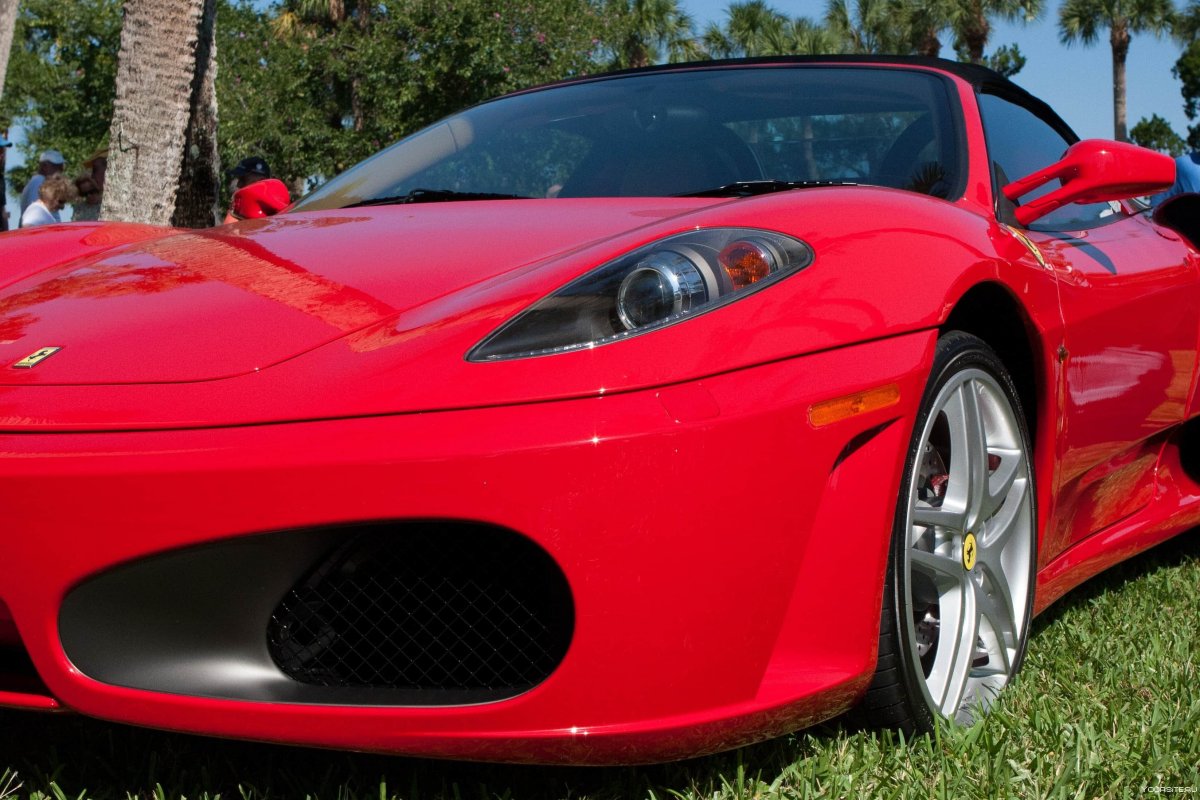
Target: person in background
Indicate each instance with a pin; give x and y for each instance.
(1187, 178)
(256, 194)
(263, 198)
(51, 162)
(90, 185)
(4, 144)
(249, 171)
(88, 209)
(97, 166)
(53, 193)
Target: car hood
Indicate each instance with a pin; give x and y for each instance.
(199, 306)
(363, 312)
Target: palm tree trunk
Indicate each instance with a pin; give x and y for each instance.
(3, 185)
(1119, 36)
(162, 162)
(8, 21)
(976, 36)
(197, 204)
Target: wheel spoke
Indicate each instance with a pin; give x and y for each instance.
(1011, 518)
(963, 636)
(943, 570)
(995, 603)
(968, 446)
(947, 515)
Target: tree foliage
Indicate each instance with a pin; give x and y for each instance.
(753, 28)
(1187, 69)
(61, 77)
(971, 21)
(638, 33)
(314, 96)
(1157, 134)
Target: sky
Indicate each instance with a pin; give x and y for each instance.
(1076, 81)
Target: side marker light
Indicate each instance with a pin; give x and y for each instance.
(840, 408)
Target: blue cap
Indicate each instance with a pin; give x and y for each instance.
(4, 142)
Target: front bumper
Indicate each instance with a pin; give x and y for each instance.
(725, 558)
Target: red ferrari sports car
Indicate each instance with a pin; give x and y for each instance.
(627, 419)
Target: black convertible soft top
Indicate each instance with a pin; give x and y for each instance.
(981, 77)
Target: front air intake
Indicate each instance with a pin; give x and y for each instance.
(433, 608)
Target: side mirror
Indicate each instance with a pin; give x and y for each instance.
(1093, 171)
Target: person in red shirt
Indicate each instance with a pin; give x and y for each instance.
(257, 193)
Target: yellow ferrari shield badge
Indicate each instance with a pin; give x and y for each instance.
(970, 551)
(36, 357)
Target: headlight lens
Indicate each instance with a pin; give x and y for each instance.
(647, 289)
(662, 285)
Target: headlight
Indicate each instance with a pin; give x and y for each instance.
(652, 287)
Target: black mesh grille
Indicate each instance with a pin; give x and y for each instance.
(443, 608)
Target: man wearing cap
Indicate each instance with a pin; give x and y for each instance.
(249, 170)
(255, 193)
(51, 162)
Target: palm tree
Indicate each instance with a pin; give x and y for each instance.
(163, 167)
(312, 18)
(971, 21)
(745, 33)
(756, 29)
(801, 36)
(1082, 21)
(1186, 25)
(888, 26)
(646, 29)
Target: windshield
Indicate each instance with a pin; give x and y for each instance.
(676, 133)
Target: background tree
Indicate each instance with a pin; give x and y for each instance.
(1157, 134)
(901, 27)
(1186, 30)
(163, 165)
(1008, 60)
(753, 28)
(1082, 21)
(61, 77)
(750, 28)
(284, 78)
(645, 32)
(345, 26)
(8, 20)
(972, 23)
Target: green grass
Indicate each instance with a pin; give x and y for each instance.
(1108, 705)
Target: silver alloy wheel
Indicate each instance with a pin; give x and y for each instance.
(967, 565)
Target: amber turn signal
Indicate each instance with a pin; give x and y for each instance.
(746, 262)
(840, 408)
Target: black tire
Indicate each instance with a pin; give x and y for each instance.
(928, 607)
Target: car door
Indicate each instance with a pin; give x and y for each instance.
(1130, 300)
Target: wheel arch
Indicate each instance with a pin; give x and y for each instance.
(990, 312)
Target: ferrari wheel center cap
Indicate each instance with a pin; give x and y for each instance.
(969, 552)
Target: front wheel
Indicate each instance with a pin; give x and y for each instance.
(961, 571)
